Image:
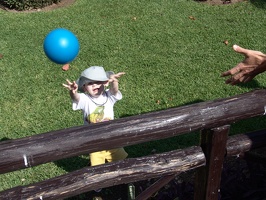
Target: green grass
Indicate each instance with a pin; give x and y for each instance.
(168, 58)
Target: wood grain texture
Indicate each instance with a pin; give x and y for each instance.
(115, 173)
(55, 145)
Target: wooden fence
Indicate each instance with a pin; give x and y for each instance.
(212, 118)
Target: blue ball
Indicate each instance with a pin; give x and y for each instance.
(61, 46)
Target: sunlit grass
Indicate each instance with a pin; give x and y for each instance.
(172, 52)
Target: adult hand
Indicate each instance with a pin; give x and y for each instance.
(253, 64)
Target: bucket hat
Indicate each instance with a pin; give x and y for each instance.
(92, 74)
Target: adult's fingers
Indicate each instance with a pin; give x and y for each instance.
(247, 52)
(227, 73)
(234, 70)
(242, 77)
(232, 81)
(241, 50)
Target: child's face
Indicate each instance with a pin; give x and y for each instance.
(95, 89)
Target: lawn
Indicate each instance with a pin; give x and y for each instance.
(173, 53)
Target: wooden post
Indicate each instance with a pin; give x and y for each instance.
(207, 179)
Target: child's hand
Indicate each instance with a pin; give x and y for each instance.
(113, 80)
(71, 86)
(114, 77)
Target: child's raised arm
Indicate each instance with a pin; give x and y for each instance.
(73, 90)
(114, 82)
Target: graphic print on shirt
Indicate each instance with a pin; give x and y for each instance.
(97, 115)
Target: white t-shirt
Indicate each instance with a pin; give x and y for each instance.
(98, 109)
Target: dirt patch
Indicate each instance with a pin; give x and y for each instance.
(220, 2)
(61, 4)
(64, 3)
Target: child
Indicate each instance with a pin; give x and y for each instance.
(96, 103)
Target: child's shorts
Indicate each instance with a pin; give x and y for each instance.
(100, 157)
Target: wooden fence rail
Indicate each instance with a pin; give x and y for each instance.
(212, 117)
(127, 171)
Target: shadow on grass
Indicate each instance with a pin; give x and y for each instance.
(72, 164)
(253, 84)
(259, 3)
(4, 139)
